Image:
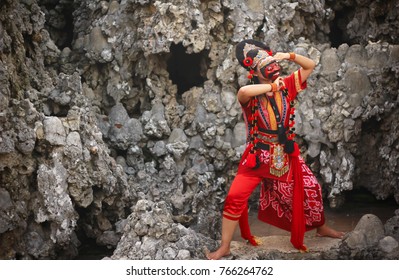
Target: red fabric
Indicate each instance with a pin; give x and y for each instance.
(276, 201)
(298, 218)
(251, 160)
(231, 218)
(244, 224)
(245, 229)
(244, 183)
(290, 85)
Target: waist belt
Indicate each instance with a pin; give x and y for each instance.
(262, 146)
(265, 136)
(268, 131)
(271, 136)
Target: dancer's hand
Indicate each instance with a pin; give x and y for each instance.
(281, 56)
(280, 83)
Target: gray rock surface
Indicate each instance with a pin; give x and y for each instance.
(151, 234)
(93, 119)
(368, 232)
(280, 247)
(391, 226)
(388, 244)
(369, 241)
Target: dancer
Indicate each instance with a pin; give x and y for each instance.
(291, 197)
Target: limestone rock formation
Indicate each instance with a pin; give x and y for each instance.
(110, 106)
(369, 241)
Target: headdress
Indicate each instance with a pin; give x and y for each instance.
(251, 53)
(252, 50)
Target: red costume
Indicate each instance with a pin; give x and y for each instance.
(290, 196)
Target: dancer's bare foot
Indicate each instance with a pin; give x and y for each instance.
(325, 231)
(219, 253)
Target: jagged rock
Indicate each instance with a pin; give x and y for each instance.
(54, 132)
(388, 244)
(368, 241)
(150, 233)
(177, 143)
(88, 101)
(6, 205)
(155, 123)
(57, 206)
(392, 226)
(368, 232)
(123, 131)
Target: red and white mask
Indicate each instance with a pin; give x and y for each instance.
(269, 68)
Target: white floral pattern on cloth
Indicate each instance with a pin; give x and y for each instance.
(264, 156)
(278, 195)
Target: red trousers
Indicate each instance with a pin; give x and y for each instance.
(237, 199)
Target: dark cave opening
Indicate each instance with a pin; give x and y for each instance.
(362, 201)
(68, 28)
(371, 126)
(259, 31)
(59, 21)
(186, 70)
(90, 250)
(338, 27)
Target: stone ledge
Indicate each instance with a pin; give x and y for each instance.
(280, 247)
